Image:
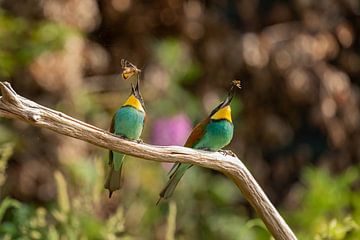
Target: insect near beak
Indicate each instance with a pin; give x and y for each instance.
(129, 69)
(237, 83)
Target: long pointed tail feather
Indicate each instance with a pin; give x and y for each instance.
(175, 177)
(113, 179)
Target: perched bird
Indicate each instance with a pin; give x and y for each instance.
(211, 134)
(128, 122)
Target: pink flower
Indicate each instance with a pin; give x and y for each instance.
(171, 131)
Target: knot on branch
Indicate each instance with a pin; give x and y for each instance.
(33, 117)
(9, 96)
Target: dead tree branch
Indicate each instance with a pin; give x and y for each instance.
(18, 107)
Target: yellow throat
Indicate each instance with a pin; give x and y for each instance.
(223, 113)
(134, 102)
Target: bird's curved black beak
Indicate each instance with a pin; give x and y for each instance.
(137, 83)
(229, 97)
(226, 102)
(135, 90)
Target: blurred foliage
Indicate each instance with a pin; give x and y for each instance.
(174, 57)
(177, 68)
(299, 107)
(23, 40)
(77, 217)
(65, 219)
(329, 208)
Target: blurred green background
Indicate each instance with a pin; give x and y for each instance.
(296, 118)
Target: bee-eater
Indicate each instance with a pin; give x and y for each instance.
(128, 122)
(211, 134)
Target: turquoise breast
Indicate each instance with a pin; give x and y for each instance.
(218, 134)
(129, 122)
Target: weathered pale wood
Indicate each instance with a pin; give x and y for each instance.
(17, 107)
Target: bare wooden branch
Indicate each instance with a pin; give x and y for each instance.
(17, 107)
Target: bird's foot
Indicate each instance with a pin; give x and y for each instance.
(227, 152)
(139, 141)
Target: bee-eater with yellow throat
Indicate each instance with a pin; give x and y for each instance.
(211, 134)
(128, 122)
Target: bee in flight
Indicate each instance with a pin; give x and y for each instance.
(129, 69)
